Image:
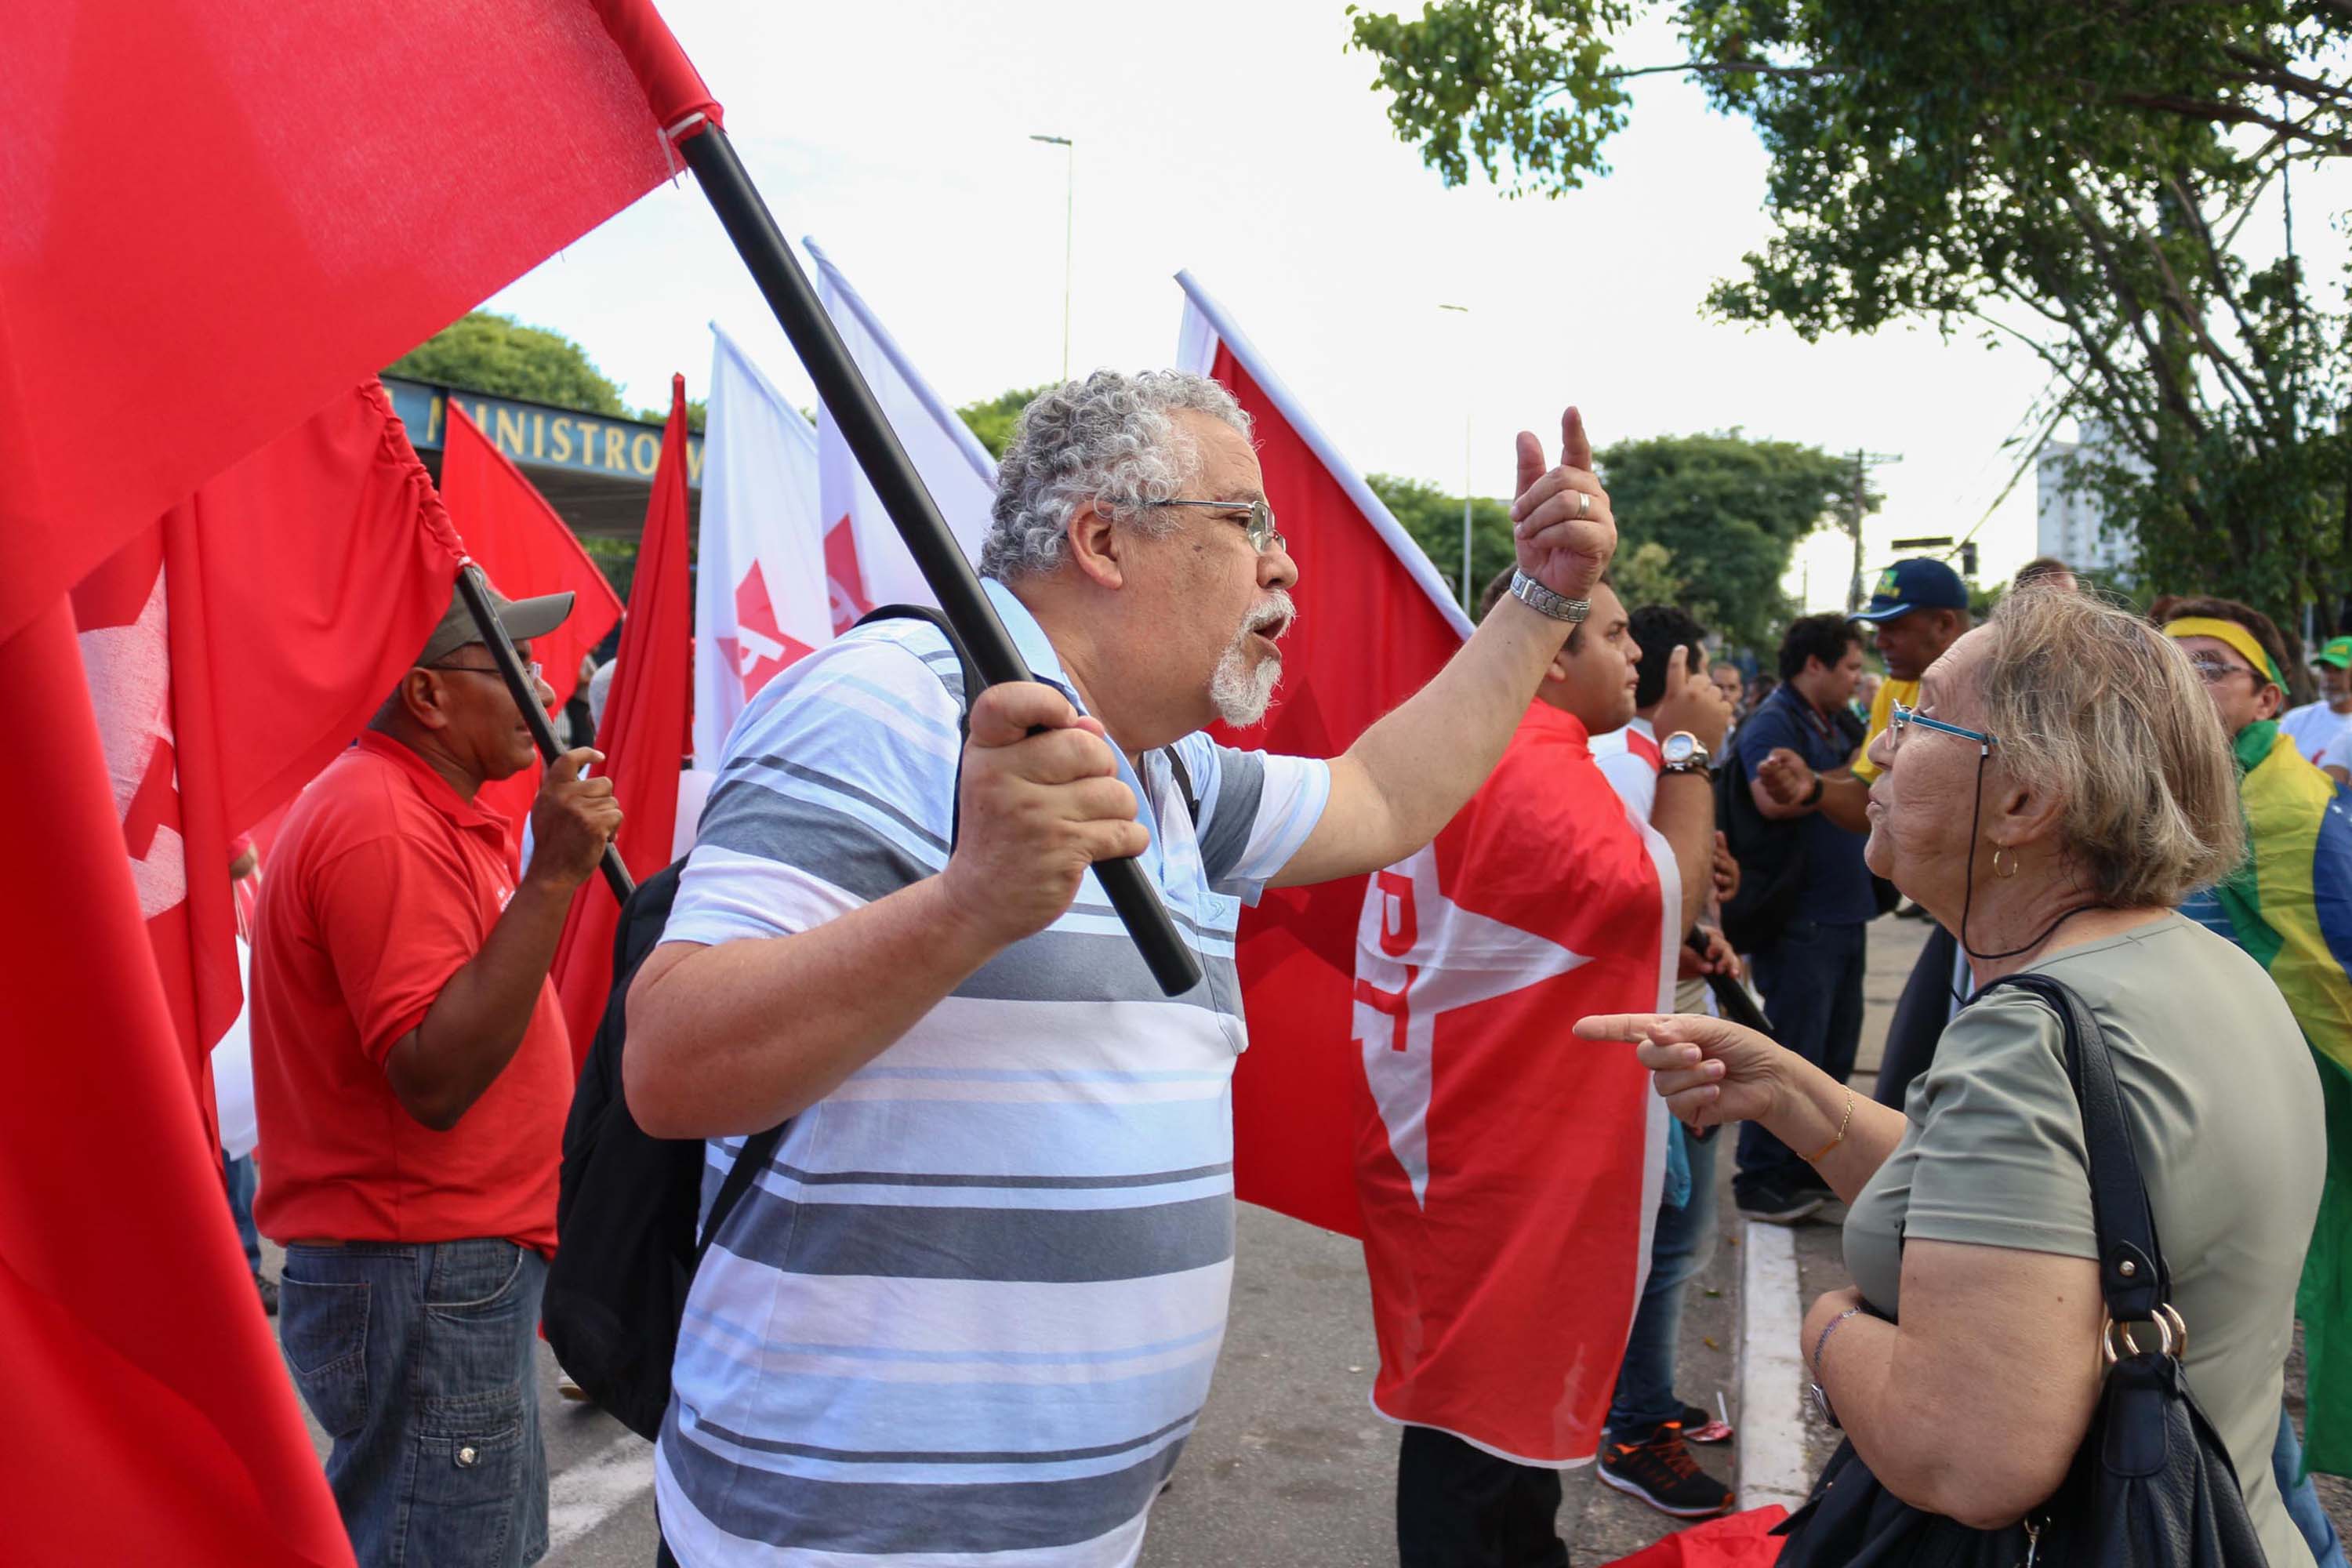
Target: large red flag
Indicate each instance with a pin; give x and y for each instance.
(645, 735)
(217, 215)
(526, 551)
(1374, 624)
(235, 646)
(223, 657)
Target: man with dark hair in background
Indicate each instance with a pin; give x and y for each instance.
(1920, 608)
(1810, 973)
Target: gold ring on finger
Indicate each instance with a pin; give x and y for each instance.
(1583, 505)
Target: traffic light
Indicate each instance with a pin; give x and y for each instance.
(1968, 559)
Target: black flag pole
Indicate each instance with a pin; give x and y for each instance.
(761, 244)
(476, 594)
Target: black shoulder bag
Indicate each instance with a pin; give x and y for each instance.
(2151, 1486)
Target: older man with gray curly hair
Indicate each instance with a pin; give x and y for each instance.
(969, 1308)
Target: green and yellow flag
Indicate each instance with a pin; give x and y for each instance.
(2290, 906)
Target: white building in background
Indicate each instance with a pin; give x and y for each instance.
(2068, 522)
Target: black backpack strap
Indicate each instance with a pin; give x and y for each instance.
(757, 1151)
(2132, 1273)
(1183, 783)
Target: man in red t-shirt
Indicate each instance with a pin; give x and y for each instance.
(411, 1076)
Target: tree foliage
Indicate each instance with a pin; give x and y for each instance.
(1730, 512)
(482, 352)
(1434, 521)
(2072, 177)
(992, 419)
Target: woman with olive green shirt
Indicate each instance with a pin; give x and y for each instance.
(2063, 782)
(2224, 1109)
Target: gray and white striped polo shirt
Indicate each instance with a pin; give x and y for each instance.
(968, 1312)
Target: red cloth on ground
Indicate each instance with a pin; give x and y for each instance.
(383, 884)
(1736, 1541)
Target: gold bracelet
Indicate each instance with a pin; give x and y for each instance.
(1815, 1157)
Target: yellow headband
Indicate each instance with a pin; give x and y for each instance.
(2230, 632)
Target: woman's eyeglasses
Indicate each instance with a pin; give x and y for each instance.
(1900, 718)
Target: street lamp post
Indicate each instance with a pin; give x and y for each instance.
(1468, 606)
(1069, 230)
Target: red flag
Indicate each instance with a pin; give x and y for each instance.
(223, 656)
(1375, 623)
(645, 735)
(1509, 1175)
(526, 551)
(235, 646)
(217, 215)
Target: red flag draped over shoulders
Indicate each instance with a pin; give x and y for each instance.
(1510, 1174)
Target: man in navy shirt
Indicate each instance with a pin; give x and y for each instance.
(1810, 973)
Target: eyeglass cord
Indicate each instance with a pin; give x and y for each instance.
(1968, 899)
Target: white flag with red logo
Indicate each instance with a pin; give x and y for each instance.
(865, 563)
(760, 592)
(1412, 1079)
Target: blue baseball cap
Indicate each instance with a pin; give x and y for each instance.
(1918, 584)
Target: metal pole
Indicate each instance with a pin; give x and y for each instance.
(727, 188)
(1069, 232)
(1469, 605)
(476, 592)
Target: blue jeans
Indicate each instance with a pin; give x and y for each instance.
(418, 1361)
(238, 1175)
(2302, 1498)
(1680, 1246)
(1812, 982)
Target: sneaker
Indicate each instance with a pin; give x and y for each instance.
(268, 1289)
(1704, 1426)
(1662, 1473)
(1776, 1205)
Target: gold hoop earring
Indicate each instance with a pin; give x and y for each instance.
(1998, 851)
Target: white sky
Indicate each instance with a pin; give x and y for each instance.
(1240, 138)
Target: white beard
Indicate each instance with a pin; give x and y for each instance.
(1242, 694)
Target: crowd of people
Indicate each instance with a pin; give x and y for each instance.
(969, 1307)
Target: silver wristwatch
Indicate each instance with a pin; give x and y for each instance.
(1535, 596)
(1681, 752)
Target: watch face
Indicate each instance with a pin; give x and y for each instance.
(1679, 747)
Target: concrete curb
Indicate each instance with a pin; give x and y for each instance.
(1772, 1466)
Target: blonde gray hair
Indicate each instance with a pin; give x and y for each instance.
(2099, 708)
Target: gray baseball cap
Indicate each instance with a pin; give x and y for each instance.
(523, 620)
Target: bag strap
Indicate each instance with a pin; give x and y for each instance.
(761, 1147)
(757, 1151)
(2132, 1273)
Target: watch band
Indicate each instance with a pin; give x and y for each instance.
(1538, 597)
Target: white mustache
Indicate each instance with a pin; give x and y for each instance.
(1276, 611)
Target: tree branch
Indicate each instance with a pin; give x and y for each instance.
(1724, 67)
(2227, 114)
